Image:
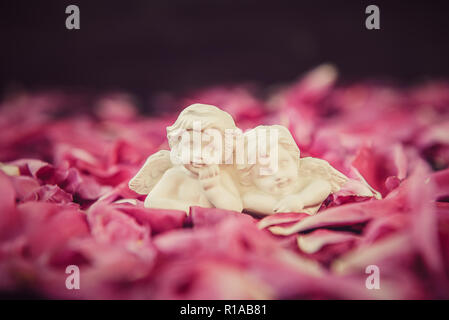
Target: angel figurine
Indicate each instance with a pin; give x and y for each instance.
(182, 177)
(296, 185)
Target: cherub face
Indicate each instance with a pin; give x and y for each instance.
(281, 181)
(195, 156)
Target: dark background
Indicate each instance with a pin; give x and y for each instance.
(145, 47)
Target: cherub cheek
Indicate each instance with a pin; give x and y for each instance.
(271, 185)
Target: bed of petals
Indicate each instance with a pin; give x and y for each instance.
(64, 199)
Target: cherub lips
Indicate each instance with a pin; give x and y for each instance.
(198, 165)
(283, 183)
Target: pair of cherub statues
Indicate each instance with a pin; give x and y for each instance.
(205, 169)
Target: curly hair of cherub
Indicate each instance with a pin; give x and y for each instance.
(207, 115)
(285, 140)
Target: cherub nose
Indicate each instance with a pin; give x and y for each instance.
(281, 179)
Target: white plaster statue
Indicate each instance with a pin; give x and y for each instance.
(294, 185)
(193, 172)
(180, 178)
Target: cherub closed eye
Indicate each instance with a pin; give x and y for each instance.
(293, 184)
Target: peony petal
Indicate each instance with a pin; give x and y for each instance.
(7, 204)
(315, 241)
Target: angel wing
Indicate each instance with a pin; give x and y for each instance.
(151, 172)
(321, 169)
